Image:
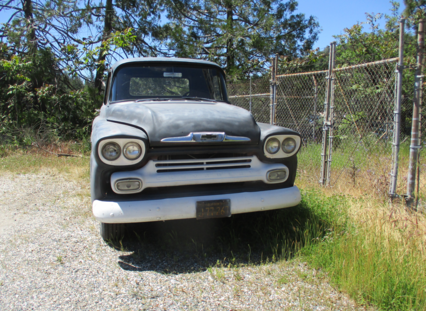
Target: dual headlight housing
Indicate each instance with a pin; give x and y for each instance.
(121, 151)
(281, 146)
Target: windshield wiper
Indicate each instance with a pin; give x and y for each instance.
(156, 99)
(199, 98)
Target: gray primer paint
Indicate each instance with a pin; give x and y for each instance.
(179, 118)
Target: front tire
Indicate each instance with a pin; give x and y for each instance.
(111, 231)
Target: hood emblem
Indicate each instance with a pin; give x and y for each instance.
(205, 137)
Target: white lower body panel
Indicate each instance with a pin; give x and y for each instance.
(184, 208)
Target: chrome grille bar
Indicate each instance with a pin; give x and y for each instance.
(184, 161)
(194, 164)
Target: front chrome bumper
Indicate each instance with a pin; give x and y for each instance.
(184, 208)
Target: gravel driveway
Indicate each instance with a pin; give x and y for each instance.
(52, 257)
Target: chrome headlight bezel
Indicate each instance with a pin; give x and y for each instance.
(281, 153)
(271, 141)
(113, 145)
(288, 139)
(132, 157)
(122, 160)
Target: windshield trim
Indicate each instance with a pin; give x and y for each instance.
(170, 63)
(167, 99)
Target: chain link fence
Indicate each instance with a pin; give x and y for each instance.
(252, 95)
(300, 106)
(359, 121)
(362, 126)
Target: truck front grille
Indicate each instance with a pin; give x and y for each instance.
(164, 166)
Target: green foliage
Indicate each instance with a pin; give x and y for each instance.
(57, 24)
(414, 11)
(95, 57)
(357, 46)
(313, 60)
(52, 102)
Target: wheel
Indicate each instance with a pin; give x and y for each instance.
(111, 231)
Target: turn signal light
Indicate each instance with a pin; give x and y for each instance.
(128, 185)
(276, 175)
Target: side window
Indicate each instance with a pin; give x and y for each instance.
(217, 88)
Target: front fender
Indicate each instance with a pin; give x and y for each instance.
(99, 171)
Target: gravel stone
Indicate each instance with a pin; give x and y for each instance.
(52, 257)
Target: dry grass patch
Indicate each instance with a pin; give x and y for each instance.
(35, 160)
(406, 228)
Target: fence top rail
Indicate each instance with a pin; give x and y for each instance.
(389, 60)
(301, 73)
(252, 95)
(267, 95)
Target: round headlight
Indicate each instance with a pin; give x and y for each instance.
(111, 151)
(132, 151)
(272, 146)
(289, 144)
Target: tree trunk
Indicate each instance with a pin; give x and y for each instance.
(230, 58)
(31, 35)
(32, 45)
(109, 14)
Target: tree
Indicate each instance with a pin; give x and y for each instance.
(357, 46)
(240, 35)
(127, 28)
(57, 25)
(36, 24)
(36, 86)
(415, 10)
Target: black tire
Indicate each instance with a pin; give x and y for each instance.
(111, 231)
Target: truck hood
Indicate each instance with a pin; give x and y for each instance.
(176, 119)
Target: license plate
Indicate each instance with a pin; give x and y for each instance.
(213, 209)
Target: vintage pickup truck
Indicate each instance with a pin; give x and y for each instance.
(167, 145)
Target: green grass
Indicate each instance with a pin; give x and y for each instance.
(371, 273)
(357, 172)
(377, 258)
(348, 150)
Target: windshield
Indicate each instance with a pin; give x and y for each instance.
(138, 82)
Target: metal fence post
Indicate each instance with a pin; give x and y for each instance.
(326, 121)
(397, 111)
(420, 142)
(273, 89)
(314, 123)
(250, 91)
(331, 114)
(415, 137)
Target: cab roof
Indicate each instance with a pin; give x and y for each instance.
(162, 59)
